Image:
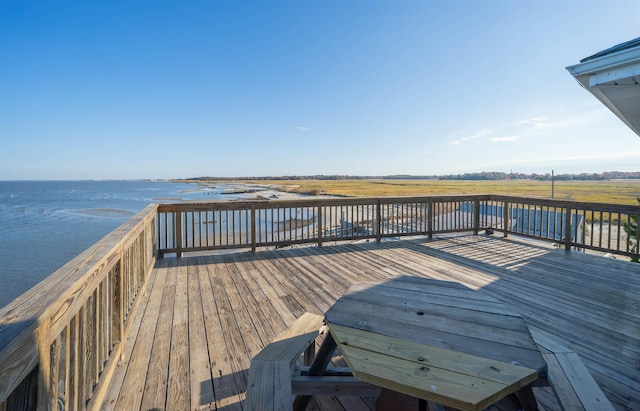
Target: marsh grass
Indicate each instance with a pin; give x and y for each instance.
(612, 192)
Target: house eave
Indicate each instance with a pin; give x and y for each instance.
(614, 79)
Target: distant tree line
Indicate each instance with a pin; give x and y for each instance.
(485, 175)
(608, 175)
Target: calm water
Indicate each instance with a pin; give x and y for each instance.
(44, 224)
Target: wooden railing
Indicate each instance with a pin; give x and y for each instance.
(224, 225)
(60, 342)
(252, 224)
(571, 224)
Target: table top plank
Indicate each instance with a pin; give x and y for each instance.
(431, 330)
(449, 308)
(447, 377)
(430, 356)
(435, 340)
(430, 318)
(437, 295)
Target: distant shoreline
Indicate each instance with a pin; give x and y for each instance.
(476, 176)
(264, 192)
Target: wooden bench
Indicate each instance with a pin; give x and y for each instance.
(269, 384)
(573, 384)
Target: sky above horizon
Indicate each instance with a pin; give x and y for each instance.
(128, 90)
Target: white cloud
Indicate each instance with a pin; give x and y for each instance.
(479, 134)
(536, 122)
(504, 139)
(300, 128)
(588, 162)
(565, 122)
(534, 126)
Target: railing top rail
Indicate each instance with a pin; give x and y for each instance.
(306, 202)
(262, 203)
(42, 298)
(607, 207)
(446, 197)
(346, 201)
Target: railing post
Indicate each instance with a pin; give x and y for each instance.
(253, 228)
(567, 231)
(152, 252)
(178, 234)
(44, 370)
(162, 223)
(320, 225)
(121, 302)
(378, 220)
(430, 218)
(506, 215)
(476, 216)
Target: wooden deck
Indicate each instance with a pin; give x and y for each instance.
(203, 317)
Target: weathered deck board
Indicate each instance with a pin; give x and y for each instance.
(178, 384)
(150, 308)
(225, 390)
(157, 372)
(204, 317)
(200, 376)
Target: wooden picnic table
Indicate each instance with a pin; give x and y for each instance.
(434, 340)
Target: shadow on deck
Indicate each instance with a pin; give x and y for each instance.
(204, 317)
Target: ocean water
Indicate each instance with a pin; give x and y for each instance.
(45, 224)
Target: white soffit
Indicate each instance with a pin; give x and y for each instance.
(613, 77)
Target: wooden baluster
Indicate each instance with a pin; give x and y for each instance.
(253, 228)
(68, 377)
(319, 224)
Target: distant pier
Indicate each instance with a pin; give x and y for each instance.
(241, 190)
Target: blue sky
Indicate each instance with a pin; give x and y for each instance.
(169, 89)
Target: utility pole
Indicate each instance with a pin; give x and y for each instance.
(553, 185)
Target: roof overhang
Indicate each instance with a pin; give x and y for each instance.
(613, 77)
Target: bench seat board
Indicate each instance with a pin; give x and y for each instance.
(271, 370)
(572, 382)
